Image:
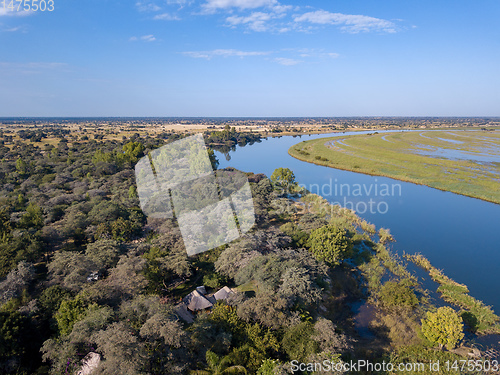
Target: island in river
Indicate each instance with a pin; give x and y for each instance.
(465, 162)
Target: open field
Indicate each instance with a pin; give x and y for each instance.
(116, 128)
(463, 162)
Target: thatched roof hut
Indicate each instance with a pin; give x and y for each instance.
(183, 313)
(196, 301)
(223, 293)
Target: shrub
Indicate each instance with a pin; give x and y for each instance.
(398, 294)
(443, 327)
(297, 342)
(330, 244)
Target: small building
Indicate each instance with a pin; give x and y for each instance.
(195, 301)
(201, 289)
(184, 313)
(223, 293)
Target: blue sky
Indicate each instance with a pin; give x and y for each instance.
(251, 58)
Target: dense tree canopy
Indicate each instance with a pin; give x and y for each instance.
(330, 243)
(443, 327)
(84, 272)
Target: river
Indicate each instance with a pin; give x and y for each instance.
(457, 234)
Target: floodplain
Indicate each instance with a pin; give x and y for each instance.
(466, 162)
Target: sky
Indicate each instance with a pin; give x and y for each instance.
(250, 58)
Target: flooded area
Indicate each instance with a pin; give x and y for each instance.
(437, 152)
(452, 231)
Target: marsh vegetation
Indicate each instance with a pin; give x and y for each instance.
(463, 162)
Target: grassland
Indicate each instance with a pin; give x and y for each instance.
(463, 162)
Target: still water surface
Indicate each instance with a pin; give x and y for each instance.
(457, 234)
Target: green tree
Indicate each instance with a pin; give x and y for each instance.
(70, 269)
(103, 253)
(213, 159)
(5, 226)
(267, 367)
(51, 298)
(16, 342)
(219, 366)
(21, 167)
(283, 179)
(33, 218)
(133, 150)
(132, 192)
(121, 229)
(298, 236)
(20, 200)
(123, 352)
(330, 244)
(214, 280)
(298, 343)
(70, 311)
(443, 327)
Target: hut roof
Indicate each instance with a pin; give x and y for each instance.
(223, 293)
(184, 314)
(196, 301)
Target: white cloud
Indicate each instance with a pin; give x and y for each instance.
(289, 56)
(166, 17)
(282, 8)
(262, 21)
(147, 6)
(347, 22)
(223, 53)
(180, 3)
(311, 54)
(14, 29)
(333, 55)
(4, 11)
(286, 61)
(145, 38)
(148, 38)
(213, 5)
(32, 67)
(256, 21)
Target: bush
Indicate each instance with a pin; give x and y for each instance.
(69, 312)
(330, 244)
(443, 327)
(214, 280)
(398, 294)
(297, 342)
(298, 236)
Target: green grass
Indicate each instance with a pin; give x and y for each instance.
(396, 155)
(458, 294)
(250, 286)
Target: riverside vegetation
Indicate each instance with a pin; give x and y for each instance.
(82, 270)
(463, 162)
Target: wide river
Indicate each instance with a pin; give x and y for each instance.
(457, 234)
